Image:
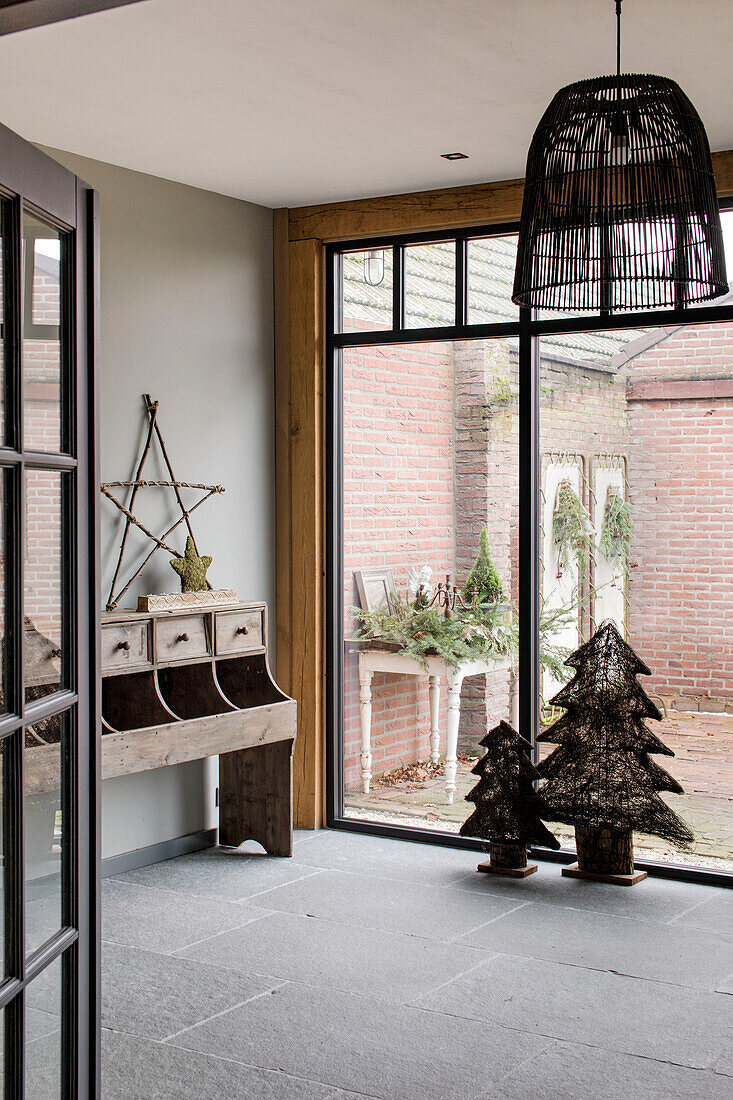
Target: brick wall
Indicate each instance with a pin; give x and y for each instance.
(398, 512)
(681, 486)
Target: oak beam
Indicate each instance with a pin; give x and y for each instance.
(450, 207)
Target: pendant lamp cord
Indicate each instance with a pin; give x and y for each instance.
(618, 37)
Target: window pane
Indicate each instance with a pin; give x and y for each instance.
(45, 583)
(636, 436)
(3, 289)
(5, 771)
(430, 461)
(430, 285)
(43, 1022)
(46, 774)
(6, 656)
(491, 263)
(42, 351)
(367, 290)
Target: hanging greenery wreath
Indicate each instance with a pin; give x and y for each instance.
(572, 530)
(618, 526)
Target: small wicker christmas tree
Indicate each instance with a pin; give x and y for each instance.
(601, 777)
(508, 808)
(483, 578)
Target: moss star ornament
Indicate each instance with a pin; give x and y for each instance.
(191, 569)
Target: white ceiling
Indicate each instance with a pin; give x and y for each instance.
(288, 102)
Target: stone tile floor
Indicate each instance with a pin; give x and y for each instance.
(367, 967)
(703, 764)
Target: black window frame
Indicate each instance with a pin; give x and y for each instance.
(528, 329)
(35, 185)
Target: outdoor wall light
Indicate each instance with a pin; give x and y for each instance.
(620, 209)
(374, 267)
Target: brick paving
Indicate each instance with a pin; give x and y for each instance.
(703, 764)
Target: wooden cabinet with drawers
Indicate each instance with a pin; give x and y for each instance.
(182, 685)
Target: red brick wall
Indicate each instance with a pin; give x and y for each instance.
(681, 485)
(398, 512)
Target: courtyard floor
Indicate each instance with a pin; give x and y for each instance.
(703, 764)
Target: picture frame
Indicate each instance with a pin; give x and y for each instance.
(376, 588)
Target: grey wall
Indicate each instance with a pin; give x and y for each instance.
(186, 288)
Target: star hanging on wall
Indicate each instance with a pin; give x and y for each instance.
(116, 593)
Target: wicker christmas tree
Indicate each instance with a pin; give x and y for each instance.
(508, 808)
(601, 777)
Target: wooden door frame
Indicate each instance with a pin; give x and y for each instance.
(300, 447)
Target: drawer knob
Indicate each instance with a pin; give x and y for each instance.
(123, 645)
(56, 652)
(242, 630)
(182, 638)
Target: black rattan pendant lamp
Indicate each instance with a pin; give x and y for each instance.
(620, 209)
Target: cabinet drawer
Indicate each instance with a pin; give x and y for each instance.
(125, 645)
(181, 638)
(238, 631)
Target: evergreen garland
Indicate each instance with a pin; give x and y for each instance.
(426, 632)
(617, 529)
(472, 632)
(572, 530)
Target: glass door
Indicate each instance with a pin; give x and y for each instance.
(48, 731)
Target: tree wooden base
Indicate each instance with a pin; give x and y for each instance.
(573, 871)
(511, 872)
(507, 859)
(605, 854)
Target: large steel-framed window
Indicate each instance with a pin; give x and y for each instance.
(527, 330)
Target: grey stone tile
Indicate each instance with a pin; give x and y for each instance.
(300, 835)
(726, 986)
(657, 900)
(43, 1067)
(42, 920)
(364, 1044)
(156, 995)
(38, 1023)
(218, 872)
(359, 960)
(362, 901)
(138, 1069)
(161, 920)
(385, 858)
(570, 1072)
(715, 914)
(629, 1015)
(688, 956)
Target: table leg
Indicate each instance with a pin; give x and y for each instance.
(365, 712)
(434, 695)
(455, 680)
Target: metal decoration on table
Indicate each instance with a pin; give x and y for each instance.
(153, 432)
(601, 777)
(448, 596)
(620, 209)
(508, 808)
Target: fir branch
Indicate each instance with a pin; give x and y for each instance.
(572, 530)
(618, 526)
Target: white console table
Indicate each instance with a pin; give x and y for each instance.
(392, 660)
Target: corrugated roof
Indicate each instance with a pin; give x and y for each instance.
(429, 298)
